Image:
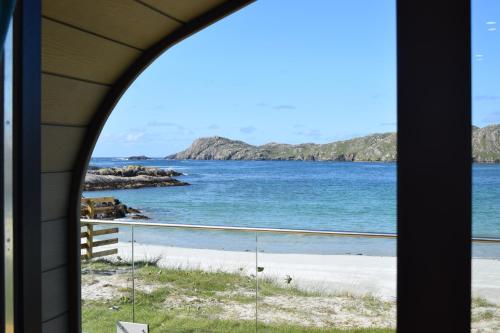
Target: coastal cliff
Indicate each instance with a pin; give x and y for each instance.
(486, 144)
(376, 147)
(370, 148)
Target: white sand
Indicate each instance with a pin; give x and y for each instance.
(356, 275)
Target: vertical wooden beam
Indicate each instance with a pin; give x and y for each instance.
(27, 166)
(434, 166)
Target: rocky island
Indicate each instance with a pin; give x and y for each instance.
(138, 158)
(128, 177)
(371, 148)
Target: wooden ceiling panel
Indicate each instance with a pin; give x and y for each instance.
(70, 102)
(184, 10)
(77, 54)
(55, 194)
(54, 293)
(126, 21)
(54, 239)
(59, 147)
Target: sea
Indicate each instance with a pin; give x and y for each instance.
(337, 196)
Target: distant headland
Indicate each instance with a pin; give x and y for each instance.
(379, 147)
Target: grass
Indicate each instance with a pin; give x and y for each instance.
(195, 301)
(177, 300)
(481, 303)
(484, 311)
(97, 318)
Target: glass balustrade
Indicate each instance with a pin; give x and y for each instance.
(106, 277)
(323, 282)
(223, 279)
(219, 279)
(486, 287)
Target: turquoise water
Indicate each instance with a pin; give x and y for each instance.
(290, 194)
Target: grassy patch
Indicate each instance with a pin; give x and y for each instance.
(176, 300)
(481, 303)
(97, 318)
(196, 282)
(270, 287)
(484, 311)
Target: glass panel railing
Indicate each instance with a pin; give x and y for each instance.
(219, 279)
(310, 282)
(106, 277)
(194, 280)
(204, 278)
(486, 287)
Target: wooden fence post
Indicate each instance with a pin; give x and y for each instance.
(90, 243)
(90, 240)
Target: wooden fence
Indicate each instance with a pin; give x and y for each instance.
(90, 244)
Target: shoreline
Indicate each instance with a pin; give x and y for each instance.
(279, 243)
(125, 159)
(327, 274)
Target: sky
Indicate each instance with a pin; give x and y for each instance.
(312, 71)
(485, 62)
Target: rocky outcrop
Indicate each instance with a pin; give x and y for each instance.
(486, 144)
(370, 148)
(134, 170)
(138, 158)
(132, 176)
(108, 208)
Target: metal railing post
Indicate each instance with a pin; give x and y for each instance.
(256, 282)
(133, 278)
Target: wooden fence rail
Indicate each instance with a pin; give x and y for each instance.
(89, 244)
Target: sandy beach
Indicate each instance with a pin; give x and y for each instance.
(331, 274)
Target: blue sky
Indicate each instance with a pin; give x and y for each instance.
(485, 62)
(315, 71)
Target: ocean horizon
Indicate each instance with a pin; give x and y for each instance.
(317, 195)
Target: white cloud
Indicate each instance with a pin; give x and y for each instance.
(492, 29)
(491, 23)
(133, 137)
